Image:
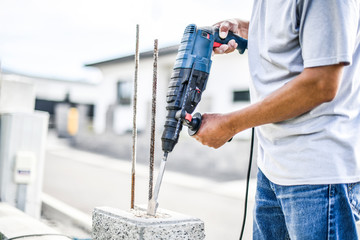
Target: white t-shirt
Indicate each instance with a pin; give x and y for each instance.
(285, 36)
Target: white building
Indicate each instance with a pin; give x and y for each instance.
(227, 88)
(50, 93)
(109, 103)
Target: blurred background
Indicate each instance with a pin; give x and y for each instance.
(71, 65)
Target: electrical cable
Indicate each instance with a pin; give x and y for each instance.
(247, 182)
(45, 235)
(39, 235)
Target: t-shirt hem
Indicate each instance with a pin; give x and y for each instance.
(310, 181)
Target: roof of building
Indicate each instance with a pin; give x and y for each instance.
(38, 77)
(148, 54)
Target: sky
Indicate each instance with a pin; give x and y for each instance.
(56, 38)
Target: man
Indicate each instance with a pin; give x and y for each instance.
(304, 59)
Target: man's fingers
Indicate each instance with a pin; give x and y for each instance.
(226, 48)
(232, 45)
(222, 49)
(224, 29)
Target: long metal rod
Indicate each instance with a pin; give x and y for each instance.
(134, 136)
(153, 122)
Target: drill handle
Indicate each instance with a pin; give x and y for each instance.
(242, 42)
(195, 123)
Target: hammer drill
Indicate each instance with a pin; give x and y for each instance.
(189, 78)
(188, 81)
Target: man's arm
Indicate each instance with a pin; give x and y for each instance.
(311, 88)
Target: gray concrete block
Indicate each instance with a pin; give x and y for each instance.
(111, 223)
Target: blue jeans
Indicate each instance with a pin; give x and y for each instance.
(305, 212)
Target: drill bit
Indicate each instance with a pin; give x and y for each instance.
(153, 204)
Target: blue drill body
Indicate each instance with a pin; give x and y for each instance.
(188, 81)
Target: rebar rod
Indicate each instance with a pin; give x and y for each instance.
(153, 121)
(134, 135)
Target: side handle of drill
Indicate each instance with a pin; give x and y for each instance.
(194, 124)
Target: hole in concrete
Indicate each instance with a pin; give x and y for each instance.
(142, 213)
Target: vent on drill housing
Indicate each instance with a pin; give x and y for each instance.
(190, 29)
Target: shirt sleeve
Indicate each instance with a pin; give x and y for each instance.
(328, 31)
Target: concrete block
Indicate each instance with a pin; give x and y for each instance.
(111, 223)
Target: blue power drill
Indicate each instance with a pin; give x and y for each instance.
(189, 78)
(188, 81)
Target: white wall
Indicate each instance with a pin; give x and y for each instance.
(123, 117)
(229, 72)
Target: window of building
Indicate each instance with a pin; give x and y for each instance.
(241, 96)
(124, 90)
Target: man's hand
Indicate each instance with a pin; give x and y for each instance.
(234, 25)
(215, 130)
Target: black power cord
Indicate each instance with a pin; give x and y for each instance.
(45, 235)
(247, 183)
(39, 235)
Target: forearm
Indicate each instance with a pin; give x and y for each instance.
(307, 91)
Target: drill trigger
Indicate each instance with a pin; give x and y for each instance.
(216, 45)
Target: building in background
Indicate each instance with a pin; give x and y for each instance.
(58, 96)
(107, 106)
(227, 88)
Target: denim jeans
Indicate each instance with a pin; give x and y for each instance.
(305, 212)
